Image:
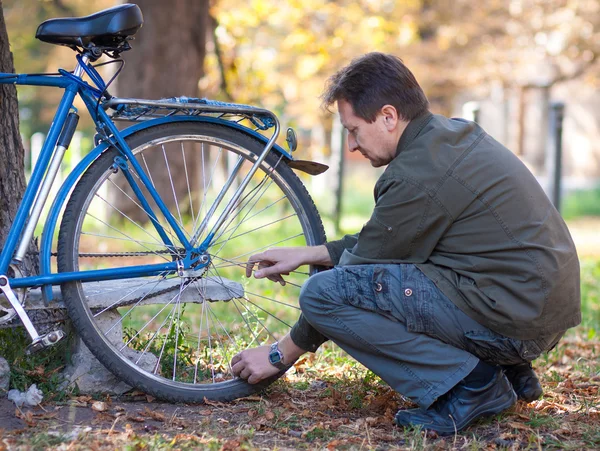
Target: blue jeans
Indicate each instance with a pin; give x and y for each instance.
(396, 322)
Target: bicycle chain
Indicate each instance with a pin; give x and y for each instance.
(117, 254)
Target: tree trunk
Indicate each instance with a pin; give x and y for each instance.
(166, 60)
(12, 170)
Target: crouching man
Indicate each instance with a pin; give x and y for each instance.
(463, 275)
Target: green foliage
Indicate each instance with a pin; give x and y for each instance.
(43, 368)
(590, 296)
(171, 346)
(581, 203)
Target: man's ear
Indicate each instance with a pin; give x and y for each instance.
(390, 117)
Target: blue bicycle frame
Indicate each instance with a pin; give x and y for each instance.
(49, 161)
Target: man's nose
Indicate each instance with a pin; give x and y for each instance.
(352, 144)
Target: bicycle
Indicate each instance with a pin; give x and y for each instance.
(151, 269)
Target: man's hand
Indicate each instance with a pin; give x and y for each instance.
(253, 364)
(277, 262)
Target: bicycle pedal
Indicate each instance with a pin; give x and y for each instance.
(45, 341)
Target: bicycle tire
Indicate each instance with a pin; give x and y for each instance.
(257, 216)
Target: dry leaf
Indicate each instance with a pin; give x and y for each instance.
(154, 415)
(214, 403)
(231, 445)
(269, 415)
(100, 406)
(520, 426)
(136, 419)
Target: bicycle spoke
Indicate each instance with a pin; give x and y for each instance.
(246, 219)
(199, 340)
(130, 238)
(241, 205)
(148, 171)
(112, 306)
(187, 182)
(250, 231)
(111, 237)
(181, 328)
(172, 186)
(162, 350)
(267, 246)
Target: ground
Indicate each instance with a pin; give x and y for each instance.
(327, 402)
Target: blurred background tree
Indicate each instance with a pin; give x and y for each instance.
(278, 55)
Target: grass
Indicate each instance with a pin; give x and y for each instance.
(581, 203)
(329, 401)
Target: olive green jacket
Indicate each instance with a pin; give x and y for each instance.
(469, 214)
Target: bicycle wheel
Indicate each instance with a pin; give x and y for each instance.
(170, 335)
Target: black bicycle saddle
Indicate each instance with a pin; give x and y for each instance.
(105, 28)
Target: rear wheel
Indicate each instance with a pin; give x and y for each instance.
(172, 335)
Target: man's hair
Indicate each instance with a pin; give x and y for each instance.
(373, 80)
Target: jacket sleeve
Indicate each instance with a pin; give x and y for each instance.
(337, 248)
(305, 336)
(406, 224)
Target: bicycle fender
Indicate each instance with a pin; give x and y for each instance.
(77, 172)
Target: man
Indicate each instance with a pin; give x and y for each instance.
(463, 275)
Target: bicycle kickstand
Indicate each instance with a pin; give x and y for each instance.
(39, 342)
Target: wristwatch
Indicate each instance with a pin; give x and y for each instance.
(276, 357)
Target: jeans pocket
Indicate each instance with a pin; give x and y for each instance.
(499, 350)
(367, 287)
(418, 297)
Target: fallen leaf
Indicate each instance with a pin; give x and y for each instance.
(27, 417)
(100, 406)
(231, 445)
(335, 443)
(136, 419)
(520, 426)
(154, 415)
(269, 415)
(249, 398)
(208, 402)
(205, 412)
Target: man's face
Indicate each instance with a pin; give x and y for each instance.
(374, 140)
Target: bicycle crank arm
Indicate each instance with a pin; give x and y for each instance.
(10, 295)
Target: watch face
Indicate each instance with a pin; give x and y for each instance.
(274, 357)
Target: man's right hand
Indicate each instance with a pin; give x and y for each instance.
(277, 262)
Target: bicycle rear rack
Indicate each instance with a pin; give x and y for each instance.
(129, 109)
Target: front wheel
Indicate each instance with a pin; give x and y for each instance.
(173, 334)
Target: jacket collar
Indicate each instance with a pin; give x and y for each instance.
(412, 130)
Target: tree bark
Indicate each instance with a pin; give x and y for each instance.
(166, 60)
(12, 168)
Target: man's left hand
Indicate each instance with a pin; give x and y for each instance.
(253, 364)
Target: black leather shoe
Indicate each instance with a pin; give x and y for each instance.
(524, 381)
(461, 405)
